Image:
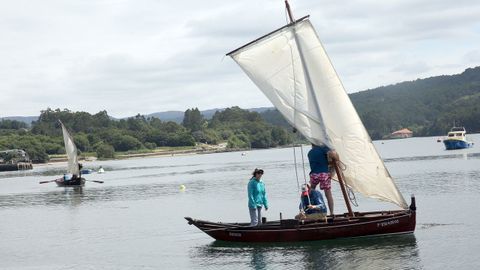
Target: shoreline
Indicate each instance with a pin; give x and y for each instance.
(197, 150)
(155, 153)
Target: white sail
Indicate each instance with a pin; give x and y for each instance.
(71, 151)
(293, 70)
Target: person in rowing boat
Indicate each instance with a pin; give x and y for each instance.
(312, 205)
(75, 177)
(257, 197)
(67, 177)
(319, 157)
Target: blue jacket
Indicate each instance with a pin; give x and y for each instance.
(316, 199)
(317, 157)
(257, 196)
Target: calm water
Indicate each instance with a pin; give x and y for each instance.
(135, 220)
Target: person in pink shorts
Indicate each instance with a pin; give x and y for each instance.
(319, 173)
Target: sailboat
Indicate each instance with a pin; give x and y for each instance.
(291, 67)
(74, 168)
(73, 177)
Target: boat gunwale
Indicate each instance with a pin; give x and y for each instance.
(61, 183)
(276, 225)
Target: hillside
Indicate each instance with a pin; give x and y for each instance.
(26, 119)
(427, 106)
(174, 116)
(177, 116)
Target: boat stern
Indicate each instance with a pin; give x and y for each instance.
(413, 204)
(413, 212)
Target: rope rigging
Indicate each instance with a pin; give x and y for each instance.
(296, 169)
(351, 195)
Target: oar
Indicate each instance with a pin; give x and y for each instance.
(96, 181)
(43, 182)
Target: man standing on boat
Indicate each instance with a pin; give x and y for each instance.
(320, 175)
(257, 197)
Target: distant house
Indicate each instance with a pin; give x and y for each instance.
(402, 133)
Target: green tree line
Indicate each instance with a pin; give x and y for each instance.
(104, 136)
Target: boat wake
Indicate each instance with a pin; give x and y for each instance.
(424, 226)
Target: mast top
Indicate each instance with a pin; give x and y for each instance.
(289, 11)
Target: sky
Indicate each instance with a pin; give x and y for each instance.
(144, 56)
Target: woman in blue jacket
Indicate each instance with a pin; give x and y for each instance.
(257, 197)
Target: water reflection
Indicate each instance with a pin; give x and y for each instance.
(258, 261)
(73, 196)
(400, 252)
(76, 195)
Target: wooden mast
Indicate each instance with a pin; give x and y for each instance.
(337, 169)
(342, 186)
(289, 11)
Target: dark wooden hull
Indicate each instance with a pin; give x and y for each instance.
(290, 230)
(71, 183)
